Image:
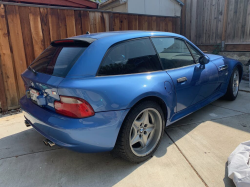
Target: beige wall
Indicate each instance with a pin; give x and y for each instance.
(154, 7)
(149, 7)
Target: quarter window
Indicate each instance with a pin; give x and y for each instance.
(135, 56)
(173, 52)
(195, 52)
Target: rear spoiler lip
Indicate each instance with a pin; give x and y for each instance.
(75, 40)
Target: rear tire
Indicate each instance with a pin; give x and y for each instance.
(233, 86)
(141, 132)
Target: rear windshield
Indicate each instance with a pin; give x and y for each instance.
(57, 61)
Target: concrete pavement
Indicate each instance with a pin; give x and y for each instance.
(193, 153)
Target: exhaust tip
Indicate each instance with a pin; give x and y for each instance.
(48, 143)
(27, 123)
(45, 142)
(51, 144)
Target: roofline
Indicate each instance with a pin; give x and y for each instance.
(73, 8)
(66, 3)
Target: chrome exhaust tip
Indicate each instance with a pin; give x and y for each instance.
(51, 144)
(48, 143)
(27, 123)
(45, 142)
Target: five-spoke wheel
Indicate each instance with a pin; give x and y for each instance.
(141, 132)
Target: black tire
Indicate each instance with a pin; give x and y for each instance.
(230, 95)
(123, 147)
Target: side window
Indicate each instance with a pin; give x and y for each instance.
(195, 53)
(136, 56)
(173, 52)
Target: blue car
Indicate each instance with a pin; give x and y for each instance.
(119, 90)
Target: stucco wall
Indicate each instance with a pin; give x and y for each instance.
(154, 7)
(150, 7)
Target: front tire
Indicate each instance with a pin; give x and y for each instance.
(233, 86)
(141, 132)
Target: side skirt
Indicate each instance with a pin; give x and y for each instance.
(183, 113)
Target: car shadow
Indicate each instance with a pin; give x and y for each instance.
(183, 127)
(62, 167)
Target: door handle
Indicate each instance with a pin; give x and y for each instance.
(223, 67)
(182, 79)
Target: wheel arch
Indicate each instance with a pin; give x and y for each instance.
(240, 68)
(152, 97)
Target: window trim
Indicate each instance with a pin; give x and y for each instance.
(123, 41)
(175, 37)
(188, 43)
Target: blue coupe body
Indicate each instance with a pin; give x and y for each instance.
(181, 89)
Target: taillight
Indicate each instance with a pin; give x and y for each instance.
(73, 107)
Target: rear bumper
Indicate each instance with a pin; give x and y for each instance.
(94, 134)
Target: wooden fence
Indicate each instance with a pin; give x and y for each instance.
(217, 23)
(25, 31)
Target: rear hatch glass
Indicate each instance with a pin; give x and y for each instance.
(57, 60)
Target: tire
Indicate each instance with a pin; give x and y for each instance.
(141, 132)
(233, 86)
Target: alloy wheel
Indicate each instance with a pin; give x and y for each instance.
(145, 132)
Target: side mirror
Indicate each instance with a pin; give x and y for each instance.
(203, 60)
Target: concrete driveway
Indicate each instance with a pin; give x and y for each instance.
(193, 153)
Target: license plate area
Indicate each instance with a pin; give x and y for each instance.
(33, 94)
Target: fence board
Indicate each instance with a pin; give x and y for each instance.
(3, 101)
(16, 40)
(100, 24)
(70, 23)
(188, 19)
(247, 27)
(106, 21)
(92, 21)
(142, 23)
(45, 26)
(169, 24)
(62, 23)
(36, 30)
(158, 23)
(7, 63)
(54, 24)
(213, 22)
(153, 24)
(132, 22)
(239, 17)
(78, 22)
(27, 36)
(85, 21)
(116, 22)
(123, 22)
(244, 18)
(193, 20)
(222, 6)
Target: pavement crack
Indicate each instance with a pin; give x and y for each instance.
(187, 160)
(30, 153)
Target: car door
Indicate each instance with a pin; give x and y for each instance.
(193, 82)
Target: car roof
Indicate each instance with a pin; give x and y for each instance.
(119, 35)
(88, 63)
